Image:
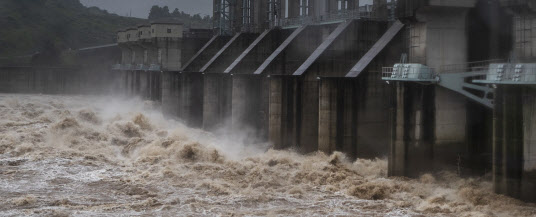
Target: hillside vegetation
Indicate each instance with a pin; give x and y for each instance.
(189, 21)
(29, 26)
(53, 26)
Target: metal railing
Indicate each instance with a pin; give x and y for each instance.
(468, 67)
(510, 73)
(345, 15)
(116, 67)
(297, 21)
(138, 67)
(155, 67)
(408, 73)
(330, 17)
(250, 28)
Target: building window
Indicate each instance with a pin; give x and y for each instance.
(128, 36)
(168, 30)
(141, 33)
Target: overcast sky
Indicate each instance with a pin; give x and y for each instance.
(140, 8)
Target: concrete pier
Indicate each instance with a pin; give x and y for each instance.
(282, 130)
(216, 101)
(412, 141)
(514, 158)
(170, 93)
(250, 106)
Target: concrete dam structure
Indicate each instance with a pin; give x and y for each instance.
(430, 84)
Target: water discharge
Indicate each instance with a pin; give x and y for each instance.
(99, 156)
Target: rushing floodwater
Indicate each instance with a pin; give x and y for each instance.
(94, 156)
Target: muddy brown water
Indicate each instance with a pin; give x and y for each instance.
(103, 156)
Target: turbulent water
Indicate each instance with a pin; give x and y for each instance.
(96, 156)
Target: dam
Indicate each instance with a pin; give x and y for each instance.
(427, 85)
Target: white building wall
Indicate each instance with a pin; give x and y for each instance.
(166, 30)
(121, 37)
(132, 35)
(144, 32)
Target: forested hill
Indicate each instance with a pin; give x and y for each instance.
(189, 21)
(28, 26)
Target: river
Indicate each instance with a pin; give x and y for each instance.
(104, 156)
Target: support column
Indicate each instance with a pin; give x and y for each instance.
(514, 167)
(155, 85)
(276, 113)
(327, 116)
(412, 138)
(308, 113)
(248, 114)
(350, 118)
(144, 85)
(216, 101)
(283, 111)
(528, 181)
(191, 92)
(170, 103)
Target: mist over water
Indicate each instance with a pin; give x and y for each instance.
(101, 156)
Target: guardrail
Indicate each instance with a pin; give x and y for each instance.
(138, 67)
(345, 15)
(331, 17)
(141, 67)
(297, 21)
(509, 73)
(116, 67)
(155, 67)
(468, 67)
(408, 73)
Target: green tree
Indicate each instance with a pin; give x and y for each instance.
(155, 13)
(194, 21)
